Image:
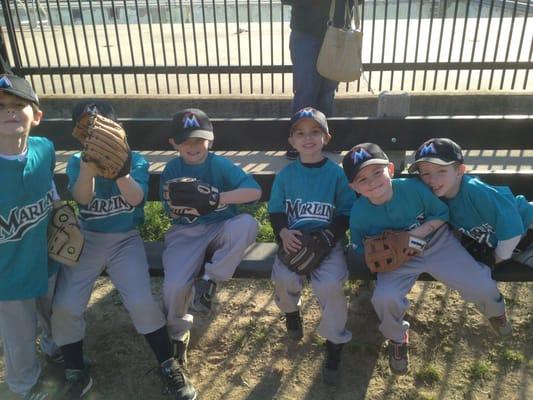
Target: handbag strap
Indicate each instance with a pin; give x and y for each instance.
(348, 15)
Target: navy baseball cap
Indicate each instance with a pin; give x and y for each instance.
(191, 123)
(19, 87)
(101, 107)
(309, 113)
(440, 151)
(360, 156)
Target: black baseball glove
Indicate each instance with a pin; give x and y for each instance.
(316, 246)
(190, 196)
(479, 251)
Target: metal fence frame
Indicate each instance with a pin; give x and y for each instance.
(65, 46)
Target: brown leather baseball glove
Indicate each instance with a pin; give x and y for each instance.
(104, 144)
(391, 249)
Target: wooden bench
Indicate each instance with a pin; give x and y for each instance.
(487, 134)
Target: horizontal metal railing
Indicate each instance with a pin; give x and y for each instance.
(241, 46)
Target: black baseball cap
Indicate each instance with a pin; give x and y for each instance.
(440, 151)
(101, 107)
(360, 156)
(191, 123)
(310, 113)
(19, 87)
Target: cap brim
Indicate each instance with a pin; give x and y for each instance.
(414, 167)
(374, 161)
(197, 133)
(22, 95)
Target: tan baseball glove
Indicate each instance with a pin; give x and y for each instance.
(65, 240)
(104, 144)
(391, 249)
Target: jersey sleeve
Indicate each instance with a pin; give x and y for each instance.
(139, 172)
(345, 197)
(276, 204)
(356, 233)
(497, 208)
(235, 177)
(73, 170)
(434, 208)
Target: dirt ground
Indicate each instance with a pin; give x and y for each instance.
(240, 351)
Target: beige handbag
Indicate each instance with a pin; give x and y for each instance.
(340, 55)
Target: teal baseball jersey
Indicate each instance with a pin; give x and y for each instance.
(217, 171)
(487, 213)
(411, 205)
(26, 200)
(311, 197)
(108, 211)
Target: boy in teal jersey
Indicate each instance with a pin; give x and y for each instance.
(110, 213)
(27, 279)
(491, 216)
(409, 205)
(201, 250)
(308, 195)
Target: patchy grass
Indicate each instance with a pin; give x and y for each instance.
(480, 370)
(429, 375)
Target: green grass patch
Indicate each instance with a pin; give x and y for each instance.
(157, 223)
(480, 370)
(512, 357)
(428, 375)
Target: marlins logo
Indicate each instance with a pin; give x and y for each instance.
(189, 121)
(427, 148)
(5, 83)
(360, 155)
(306, 113)
(92, 108)
(20, 221)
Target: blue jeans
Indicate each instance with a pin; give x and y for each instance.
(310, 88)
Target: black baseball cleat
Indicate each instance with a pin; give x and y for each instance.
(175, 383)
(78, 383)
(330, 371)
(204, 292)
(293, 322)
(179, 350)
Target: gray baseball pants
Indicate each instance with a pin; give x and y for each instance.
(19, 320)
(124, 258)
(327, 282)
(184, 254)
(448, 262)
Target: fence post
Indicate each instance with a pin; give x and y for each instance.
(394, 105)
(12, 40)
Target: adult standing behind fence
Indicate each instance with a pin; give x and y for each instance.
(309, 20)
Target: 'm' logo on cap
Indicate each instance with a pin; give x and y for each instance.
(5, 83)
(360, 155)
(190, 121)
(427, 149)
(306, 112)
(92, 108)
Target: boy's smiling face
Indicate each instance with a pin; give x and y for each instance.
(17, 117)
(374, 183)
(443, 180)
(193, 151)
(308, 137)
